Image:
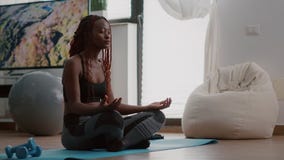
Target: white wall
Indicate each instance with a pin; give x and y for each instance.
(266, 49)
(124, 62)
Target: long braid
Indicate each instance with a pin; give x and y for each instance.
(107, 71)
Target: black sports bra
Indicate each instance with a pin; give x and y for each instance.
(90, 92)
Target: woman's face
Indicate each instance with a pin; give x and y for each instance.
(101, 34)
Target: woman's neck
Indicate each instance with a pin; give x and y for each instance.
(91, 54)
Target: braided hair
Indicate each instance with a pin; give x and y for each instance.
(82, 35)
(81, 39)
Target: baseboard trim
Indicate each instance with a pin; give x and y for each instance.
(279, 130)
(171, 126)
(171, 129)
(8, 126)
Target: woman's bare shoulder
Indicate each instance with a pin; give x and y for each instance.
(73, 64)
(74, 60)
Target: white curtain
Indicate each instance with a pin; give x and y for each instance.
(189, 9)
(212, 42)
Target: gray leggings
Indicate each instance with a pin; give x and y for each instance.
(99, 130)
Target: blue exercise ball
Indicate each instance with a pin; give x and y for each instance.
(36, 103)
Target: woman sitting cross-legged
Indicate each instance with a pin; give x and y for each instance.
(92, 116)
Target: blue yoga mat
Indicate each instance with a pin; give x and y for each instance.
(156, 145)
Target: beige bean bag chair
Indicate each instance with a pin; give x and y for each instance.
(236, 102)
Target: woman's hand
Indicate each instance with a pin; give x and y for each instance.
(160, 105)
(112, 105)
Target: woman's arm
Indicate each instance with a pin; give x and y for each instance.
(129, 109)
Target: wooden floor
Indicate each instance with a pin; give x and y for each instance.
(263, 149)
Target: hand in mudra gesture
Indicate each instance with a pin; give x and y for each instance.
(110, 105)
(161, 104)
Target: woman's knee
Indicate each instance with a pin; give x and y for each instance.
(112, 118)
(159, 116)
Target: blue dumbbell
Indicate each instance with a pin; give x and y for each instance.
(22, 151)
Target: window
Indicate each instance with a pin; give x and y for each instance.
(173, 57)
(118, 9)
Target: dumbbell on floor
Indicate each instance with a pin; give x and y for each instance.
(22, 151)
